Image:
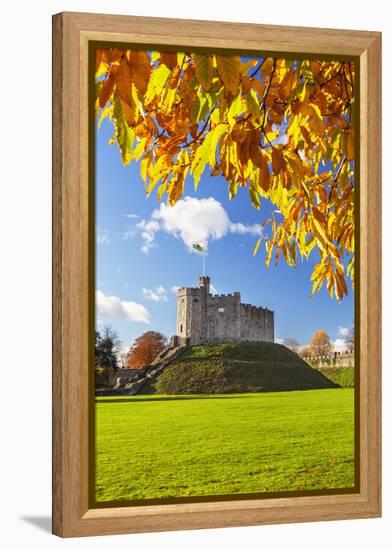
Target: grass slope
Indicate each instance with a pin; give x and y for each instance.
(156, 446)
(343, 376)
(237, 368)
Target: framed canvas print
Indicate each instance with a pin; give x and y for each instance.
(216, 298)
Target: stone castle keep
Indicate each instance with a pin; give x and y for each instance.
(203, 318)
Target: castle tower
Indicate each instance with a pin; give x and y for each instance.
(191, 313)
(204, 282)
(203, 318)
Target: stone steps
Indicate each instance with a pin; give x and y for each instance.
(134, 387)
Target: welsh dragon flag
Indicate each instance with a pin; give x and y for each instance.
(198, 247)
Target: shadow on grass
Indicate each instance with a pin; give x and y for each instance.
(156, 398)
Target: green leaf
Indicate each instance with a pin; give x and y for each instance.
(125, 135)
(201, 159)
(254, 196)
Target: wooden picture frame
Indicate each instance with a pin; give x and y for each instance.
(72, 515)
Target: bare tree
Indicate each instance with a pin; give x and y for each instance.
(292, 344)
(350, 339)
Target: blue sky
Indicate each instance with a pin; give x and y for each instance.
(143, 253)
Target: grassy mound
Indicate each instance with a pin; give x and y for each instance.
(245, 367)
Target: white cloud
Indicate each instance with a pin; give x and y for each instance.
(148, 232)
(343, 331)
(339, 345)
(113, 308)
(129, 233)
(213, 289)
(242, 229)
(192, 220)
(132, 216)
(159, 294)
(174, 289)
(102, 236)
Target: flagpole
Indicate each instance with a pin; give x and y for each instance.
(203, 262)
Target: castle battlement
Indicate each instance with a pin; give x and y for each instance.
(204, 318)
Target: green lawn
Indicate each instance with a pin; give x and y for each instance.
(170, 446)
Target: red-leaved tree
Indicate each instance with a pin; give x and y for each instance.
(145, 349)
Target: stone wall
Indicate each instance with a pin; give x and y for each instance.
(256, 323)
(223, 318)
(333, 360)
(120, 378)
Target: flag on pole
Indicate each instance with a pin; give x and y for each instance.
(198, 247)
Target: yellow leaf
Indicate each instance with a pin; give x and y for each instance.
(315, 121)
(204, 70)
(140, 148)
(216, 134)
(144, 164)
(157, 82)
(257, 245)
(253, 104)
(228, 67)
(234, 110)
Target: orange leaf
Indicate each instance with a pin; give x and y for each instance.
(140, 68)
(285, 87)
(278, 162)
(350, 144)
(170, 59)
(255, 150)
(129, 114)
(264, 175)
(106, 90)
(176, 186)
(124, 83)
